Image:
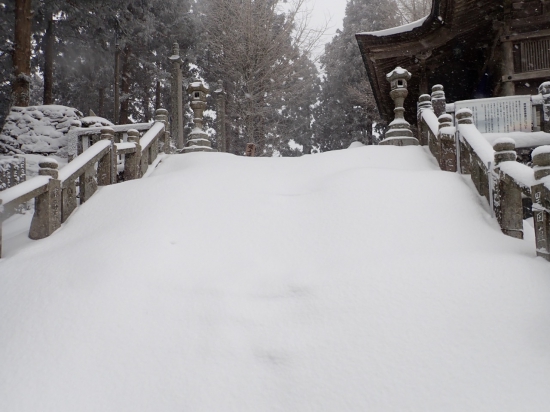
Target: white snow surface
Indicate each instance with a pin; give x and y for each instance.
(522, 139)
(399, 29)
(355, 280)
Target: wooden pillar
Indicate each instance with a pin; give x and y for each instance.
(508, 87)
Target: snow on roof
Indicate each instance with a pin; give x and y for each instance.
(396, 30)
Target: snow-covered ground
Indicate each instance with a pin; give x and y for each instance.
(356, 280)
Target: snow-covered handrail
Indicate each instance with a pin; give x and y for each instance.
(56, 192)
(477, 142)
(22, 193)
(77, 133)
(152, 134)
(77, 167)
(429, 117)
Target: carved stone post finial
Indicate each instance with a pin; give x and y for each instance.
(424, 103)
(198, 139)
(399, 133)
(505, 150)
(439, 101)
(161, 115)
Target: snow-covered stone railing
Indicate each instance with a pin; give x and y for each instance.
(79, 139)
(13, 170)
(56, 192)
(510, 187)
(541, 200)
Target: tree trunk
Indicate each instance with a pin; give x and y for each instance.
(157, 96)
(146, 106)
(49, 40)
(101, 102)
(21, 86)
(125, 86)
(117, 82)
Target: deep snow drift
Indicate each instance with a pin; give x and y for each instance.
(357, 280)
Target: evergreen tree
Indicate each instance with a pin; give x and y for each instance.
(260, 51)
(346, 109)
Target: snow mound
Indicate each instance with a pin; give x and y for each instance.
(95, 121)
(38, 129)
(355, 145)
(355, 280)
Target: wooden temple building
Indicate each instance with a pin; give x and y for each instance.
(475, 48)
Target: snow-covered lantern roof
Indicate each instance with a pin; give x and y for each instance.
(197, 91)
(398, 78)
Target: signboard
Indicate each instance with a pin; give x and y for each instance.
(500, 114)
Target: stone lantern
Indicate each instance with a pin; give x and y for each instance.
(399, 133)
(198, 140)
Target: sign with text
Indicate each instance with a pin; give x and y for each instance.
(500, 114)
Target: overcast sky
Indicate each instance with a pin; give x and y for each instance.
(323, 10)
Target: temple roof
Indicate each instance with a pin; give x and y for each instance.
(452, 46)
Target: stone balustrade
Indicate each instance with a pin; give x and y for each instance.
(57, 192)
(509, 186)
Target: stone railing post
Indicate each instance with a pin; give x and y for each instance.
(544, 91)
(161, 115)
(447, 143)
(132, 161)
(424, 103)
(465, 116)
(507, 203)
(439, 102)
(68, 199)
(541, 201)
(47, 206)
(219, 93)
(106, 167)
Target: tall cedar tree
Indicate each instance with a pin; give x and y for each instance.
(259, 49)
(346, 109)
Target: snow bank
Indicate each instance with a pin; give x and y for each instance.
(356, 280)
(95, 121)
